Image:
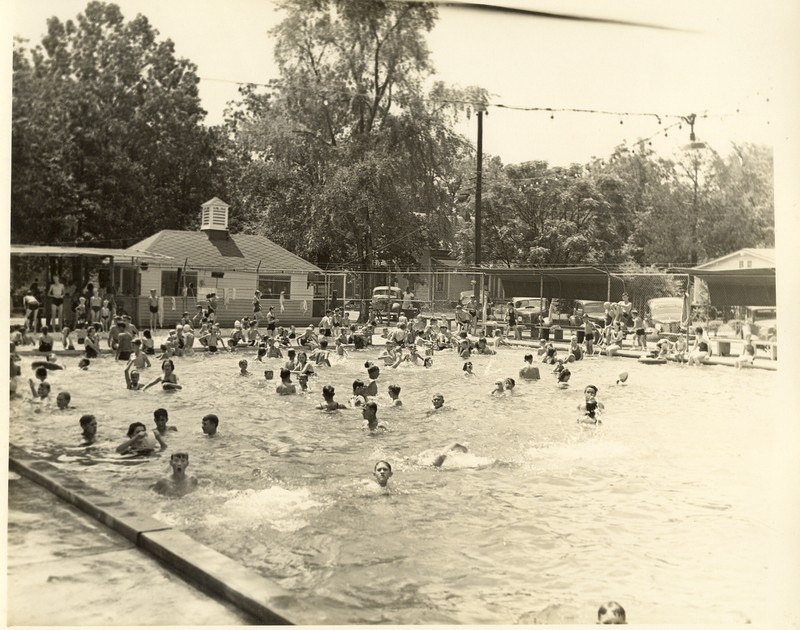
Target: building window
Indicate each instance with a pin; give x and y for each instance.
(440, 282)
(749, 264)
(271, 286)
(174, 281)
(741, 264)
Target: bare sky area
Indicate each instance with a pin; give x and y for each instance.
(718, 63)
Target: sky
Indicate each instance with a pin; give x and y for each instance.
(722, 65)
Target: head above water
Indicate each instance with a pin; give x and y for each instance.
(209, 424)
(611, 613)
(383, 472)
(63, 399)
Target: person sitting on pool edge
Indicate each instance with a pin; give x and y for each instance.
(178, 484)
(286, 387)
(209, 424)
(611, 613)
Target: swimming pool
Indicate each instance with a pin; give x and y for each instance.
(661, 508)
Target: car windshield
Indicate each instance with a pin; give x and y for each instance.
(593, 308)
(666, 308)
(762, 314)
(526, 304)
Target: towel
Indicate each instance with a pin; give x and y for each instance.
(305, 307)
(233, 293)
(173, 304)
(283, 307)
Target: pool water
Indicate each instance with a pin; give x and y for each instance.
(660, 508)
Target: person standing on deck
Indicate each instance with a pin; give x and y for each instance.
(56, 294)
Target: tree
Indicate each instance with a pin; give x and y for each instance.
(107, 133)
(345, 159)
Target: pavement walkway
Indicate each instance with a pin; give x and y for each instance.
(65, 568)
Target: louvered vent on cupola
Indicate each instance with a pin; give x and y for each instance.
(214, 217)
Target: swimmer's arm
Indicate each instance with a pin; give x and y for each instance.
(153, 382)
(127, 444)
(33, 388)
(160, 440)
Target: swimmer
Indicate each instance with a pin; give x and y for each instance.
(178, 484)
(454, 447)
(161, 417)
(168, 379)
(209, 424)
(330, 404)
(243, 368)
(83, 364)
(382, 472)
(427, 363)
(286, 387)
(302, 380)
(357, 399)
(140, 441)
(623, 376)
(438, 404)
(88, 429)
(63, 399)
(498, 388)
(509, 384)
(563, 378)
(132, 378)
(370, 415)
(611, 613)
(528, 371)
(43, 389)
(468, 369)
(394, 395)
(373, 371)
(591, 408)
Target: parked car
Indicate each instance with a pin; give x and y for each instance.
(664, 314)
(763, 321)
(527, 308)
(386, 302)
(593, 309)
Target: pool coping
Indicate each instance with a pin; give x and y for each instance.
(264, 600)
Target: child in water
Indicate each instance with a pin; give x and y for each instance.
(591, 408)
(140, 441)
(394, 395)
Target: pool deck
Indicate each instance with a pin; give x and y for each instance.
(65, 568)
(58, 548)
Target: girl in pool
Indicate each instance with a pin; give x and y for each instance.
(468, 369)
(140, 441)
(499, 389)
(591, 408)
(168, 380)
(148, 345)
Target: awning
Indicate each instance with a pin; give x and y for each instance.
(736, 287)
(587, 283)
(99, 252)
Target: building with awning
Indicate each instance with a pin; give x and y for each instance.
(737, 286)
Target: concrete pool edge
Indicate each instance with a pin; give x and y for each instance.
(214, 572)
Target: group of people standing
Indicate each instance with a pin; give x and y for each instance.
(92, 306)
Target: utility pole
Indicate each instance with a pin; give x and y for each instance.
(478, 181)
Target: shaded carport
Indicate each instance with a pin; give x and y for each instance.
(125, 256)
(589, 283)
(736, 287)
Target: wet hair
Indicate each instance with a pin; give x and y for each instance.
(511, 380)
(323, 343)
(372, 405)
(358, 384)
(160, 412)
(243, 362)
(383, 461)
(133, 426)
(179, 455)
(285, 374)
(590, 387)
(373, 369)
(212, 418)
(529, 357)
(427, 362)
(466, 364)
(41, 373)
(168, 362)
(291, 353)
(611, 607)
(65, 395)
(262, 352)
(328, 391)
(86, 419)
(395, 389)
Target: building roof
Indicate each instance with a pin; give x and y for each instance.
(767, 254)
(223, 251)
(100, 252)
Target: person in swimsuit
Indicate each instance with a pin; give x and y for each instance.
(153, 304)
(286, 387)
(178, 484)
(329, 404)
(257, 304)
(590, 407)
(45, 340)
(271, 319)
(382, 472)
(702, 348)
(88, 429)
(56, 295)
(95, 305)
(124, 342)
(140, 441)
(132, 377)
(209, 424)
(370, 414)
(168, 380)
(31, 305)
